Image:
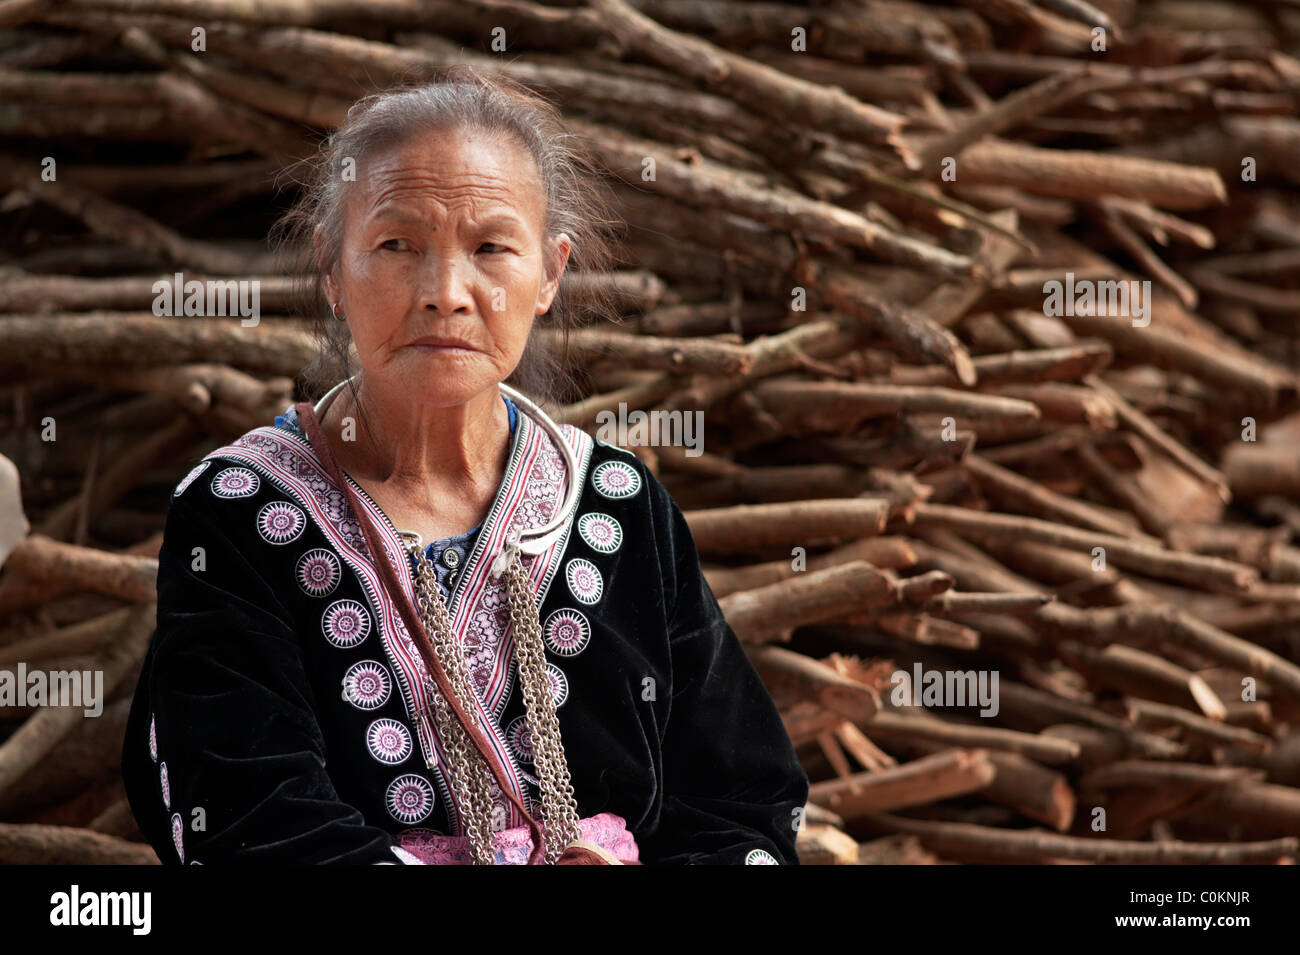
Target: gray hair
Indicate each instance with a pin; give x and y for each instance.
(577, 202)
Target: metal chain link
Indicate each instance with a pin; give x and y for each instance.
(470, 774)
(559, 808)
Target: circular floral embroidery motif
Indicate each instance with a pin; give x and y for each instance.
(616, 479)
(318, 572)
(189, 478)
(389, 741)
(153, 738)
(166, 786)
(520, 739)
(584, 580)
(235, 482)
(345, 623)
(280, 522)
(566, 632)
(760, 857)
(366, 685)
(178, 831)
(559, 684)
(410, 799)
(601, 532)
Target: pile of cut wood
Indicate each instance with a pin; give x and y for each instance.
(988, 312)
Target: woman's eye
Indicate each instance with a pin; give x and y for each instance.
(496, 247)
(389, 242)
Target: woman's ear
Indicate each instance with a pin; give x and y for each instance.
(556, 261)
(328, 285)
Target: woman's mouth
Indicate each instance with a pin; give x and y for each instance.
(442, 346)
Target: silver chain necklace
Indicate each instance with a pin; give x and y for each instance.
(469, 775)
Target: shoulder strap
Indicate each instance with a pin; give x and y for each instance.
(319, 444)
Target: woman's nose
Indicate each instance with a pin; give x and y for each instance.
(445, 285)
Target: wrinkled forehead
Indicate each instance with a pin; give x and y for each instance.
(459, 172)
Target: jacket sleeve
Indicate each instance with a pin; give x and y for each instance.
(733, 789)
(223, 759)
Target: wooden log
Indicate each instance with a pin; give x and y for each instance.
(62, 845)
(1257, 804)
(55, 294)
(1058, 401)
(126, 225)
(1148, 713)
(1158, 562)
(680, 356)
(805, 722)
(767, 613)
(862, 748)
(1042, 364)
(1144, 674)
(950, 773)
(881, 552)
(759, 87)
(1029, 846)
(748, 527)
(1032, 496)
(825, 845)
(919, 628)
(952, 603)
(1256, 470)
(1140, 772)
(1046, 94)
(814, 681)
(895, 850)
(759, 485)
(831, 405)
(1081, 174)
(1032, 790)
(40, 558)
(33, 741)
(79, 638)
(709, 184)
(887, 724)
(117, 820)
(1096, 746)
(1028, 705)
(135, 339)
(1143, 425)
(116, 480)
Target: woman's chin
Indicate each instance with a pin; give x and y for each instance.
(461, 362)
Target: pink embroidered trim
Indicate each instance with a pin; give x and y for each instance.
(514, 846)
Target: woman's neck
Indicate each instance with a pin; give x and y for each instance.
(447, 460)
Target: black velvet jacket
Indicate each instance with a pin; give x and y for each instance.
(277, 718)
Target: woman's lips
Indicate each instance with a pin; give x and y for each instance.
(443, 349)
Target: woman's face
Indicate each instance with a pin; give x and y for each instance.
(443, 238)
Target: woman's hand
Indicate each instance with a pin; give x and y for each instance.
(582, 852)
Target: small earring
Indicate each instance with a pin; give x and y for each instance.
(335, 309)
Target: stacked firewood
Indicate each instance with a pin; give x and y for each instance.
(1019, 567)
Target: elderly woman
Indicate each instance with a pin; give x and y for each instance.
(341, 671)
